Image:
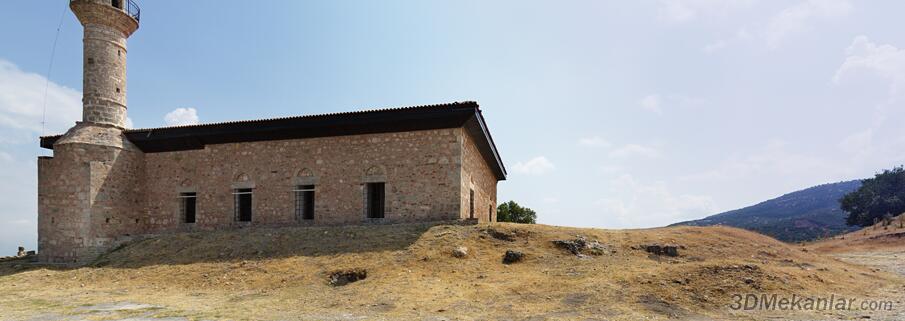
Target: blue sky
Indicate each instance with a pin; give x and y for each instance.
(607, 114)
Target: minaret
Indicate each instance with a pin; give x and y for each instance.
(90, 191)
(107, 23)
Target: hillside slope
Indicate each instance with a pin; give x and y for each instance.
(881, 246)
(803, 215)
(282, 273)
(879, 237)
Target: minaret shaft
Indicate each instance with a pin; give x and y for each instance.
(104, 77)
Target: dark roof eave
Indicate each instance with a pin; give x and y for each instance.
(501, 168)
(453, 115)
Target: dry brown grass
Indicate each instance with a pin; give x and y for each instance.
(281, 274)
(879, 237)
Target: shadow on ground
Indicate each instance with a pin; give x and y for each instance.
(254, 243)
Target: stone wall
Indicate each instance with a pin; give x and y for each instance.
(477, 176)
(89, 197)
(420, 169)
(93, 195)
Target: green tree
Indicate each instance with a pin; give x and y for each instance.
(512, 212)
(882, 195)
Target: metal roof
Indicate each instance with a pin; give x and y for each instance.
(452, 115)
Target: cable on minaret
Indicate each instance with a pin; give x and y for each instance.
(53, 52)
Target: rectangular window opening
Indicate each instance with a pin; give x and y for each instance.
(243, 204)
(117, 4)
(188, 206)
(376, 197)
(304, 202)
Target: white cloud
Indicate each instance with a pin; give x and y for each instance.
(595, 141)
(791, 21)
(181, 116)
(858, 143)
(651, 103)
(714, 46)
(610, 169)
(676, 11)
(634, 203)
(799, 18)
(633, 150)
(535, 166)
(550, 200)
(865, 56)
(22, 101)
(775, 159)
(22, 104)
(688, 10)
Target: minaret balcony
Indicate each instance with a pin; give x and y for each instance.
(128, 6)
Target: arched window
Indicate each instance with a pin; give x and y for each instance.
(375, 171)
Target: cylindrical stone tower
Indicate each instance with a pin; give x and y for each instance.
(107, 23)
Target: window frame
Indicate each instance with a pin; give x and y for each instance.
(373, 194)
(184, 198)
(237, 205)
(304, 201)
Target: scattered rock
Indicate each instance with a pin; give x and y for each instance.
(343, 277)
(581, 246)
(512, 256)
(662, 249)
(460, 252)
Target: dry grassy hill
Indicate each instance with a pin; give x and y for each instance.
(879, 237)
(282, 274)
(881, 246)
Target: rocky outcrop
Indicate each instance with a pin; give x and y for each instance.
(512, 256)
(581, 246)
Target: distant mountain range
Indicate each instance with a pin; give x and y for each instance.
(804, 215)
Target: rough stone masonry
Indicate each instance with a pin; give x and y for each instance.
(106, 184)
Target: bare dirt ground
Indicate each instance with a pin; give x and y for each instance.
(283, 274)
(880, 247)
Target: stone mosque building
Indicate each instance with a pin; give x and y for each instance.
(106, 184)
